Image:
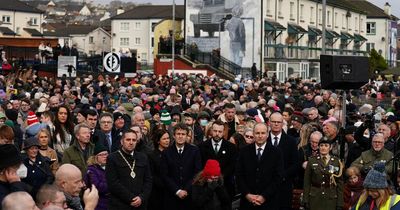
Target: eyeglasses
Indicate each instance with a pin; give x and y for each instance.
(377, 142)
(250, 137)
(105, 122)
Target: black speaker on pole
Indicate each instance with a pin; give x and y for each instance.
(128, 64)
(343, 72)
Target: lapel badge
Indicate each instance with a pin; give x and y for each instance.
(223, 152)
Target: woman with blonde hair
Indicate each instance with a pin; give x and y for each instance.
(378, 194)
(96, 175)
(44, 138)
(305, 133)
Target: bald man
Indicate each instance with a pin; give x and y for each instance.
(18, 201)
(69, 180)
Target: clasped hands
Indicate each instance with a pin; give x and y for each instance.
(256, 200)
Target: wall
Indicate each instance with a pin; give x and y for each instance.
(20, 20)
(162, 29)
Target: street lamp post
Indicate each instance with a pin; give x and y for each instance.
(323, 49)
(173, 38)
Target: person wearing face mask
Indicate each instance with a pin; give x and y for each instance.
(96, 175)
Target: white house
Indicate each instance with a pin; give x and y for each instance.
(133, 30)
(85, 11)
(381, 30)
(293, 32)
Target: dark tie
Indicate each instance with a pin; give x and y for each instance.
(109, 141)
(275, 141)
(259, 153)
(216, 148)
(180, 151)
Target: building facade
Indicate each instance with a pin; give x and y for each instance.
(293, 35)
(133, 31)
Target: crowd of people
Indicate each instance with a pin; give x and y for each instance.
(196, 142)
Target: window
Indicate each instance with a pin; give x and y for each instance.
(152, 41)
(124, 26)
(312, 14)
(33, 22)
(371, 28)
(291, 10)
(335, 19)
(91, 39)
(137, 40)
(370, 46)
(356, 24)
(320, 16)
(280, 7)
(124, 42)
(268, 7)
(302, 12)
(92, 52)
(137, 25)
(6, 19)
(328, 18)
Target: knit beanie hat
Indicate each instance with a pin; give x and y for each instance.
(376, 177)
(165, 117)
(12, 114)
(99, 147)
(211, 169)
(32, 118)
(9, 156)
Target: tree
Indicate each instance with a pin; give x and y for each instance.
(376, 62)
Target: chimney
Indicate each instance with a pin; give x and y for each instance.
(387, 9)
(120, 10)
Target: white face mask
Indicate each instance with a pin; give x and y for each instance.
(22, 171)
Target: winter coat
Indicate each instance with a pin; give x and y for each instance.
(213, 196)
(96, 175)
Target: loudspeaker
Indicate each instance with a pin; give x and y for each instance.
(343, 72)
(128, 64)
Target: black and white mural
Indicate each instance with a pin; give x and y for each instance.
(231, 26)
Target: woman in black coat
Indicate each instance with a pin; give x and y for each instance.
(208, 191)
(161, 140)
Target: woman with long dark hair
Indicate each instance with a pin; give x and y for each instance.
(64, 128)
(161, 140)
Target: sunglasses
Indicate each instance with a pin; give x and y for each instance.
(250, 137)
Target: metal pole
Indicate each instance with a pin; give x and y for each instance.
(323, 50)
(173, 37)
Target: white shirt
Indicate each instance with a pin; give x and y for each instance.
(262, 148)
(218, 146)
(273, 138)
(180, 148)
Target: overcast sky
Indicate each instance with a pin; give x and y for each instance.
(395, 3)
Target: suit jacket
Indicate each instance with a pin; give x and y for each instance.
(100, 137)
(288, 147)
(122, 187)
(259, 177)
(177, 172)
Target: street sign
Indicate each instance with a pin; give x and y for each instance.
(112, 62)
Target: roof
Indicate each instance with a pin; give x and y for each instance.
(15, 5)
(33, 32)
(7, 31)
(371, 9)
(273, 26)
(152, 12)
(73, 30)
(36, 3)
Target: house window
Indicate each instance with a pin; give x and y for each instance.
(291, 10)
(33, 22)
(137, 25)
(328, 18)
(152, 41)
(137, 40)
(370, 46)
(336, 21)
(91, 39)
(302, 12)
(124, 42)
(124, 26)
(312, 14)
(6, 19)
(268, 7)
(92, 52)
(320, 16)
(280, 7)
(371, 28)
(356, 23)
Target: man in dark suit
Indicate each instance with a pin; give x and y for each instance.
(128, 175)
(218, 148)
(279, 139)
(106, 136)
(179, 164)
(259, 172)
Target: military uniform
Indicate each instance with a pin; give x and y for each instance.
(323, 184)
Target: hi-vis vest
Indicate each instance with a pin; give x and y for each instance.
(394, 199)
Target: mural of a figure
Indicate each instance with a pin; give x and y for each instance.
(237, 35)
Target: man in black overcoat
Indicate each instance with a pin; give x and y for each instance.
(259, 172)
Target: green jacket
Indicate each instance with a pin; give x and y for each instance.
(367, 159)
(74, 155)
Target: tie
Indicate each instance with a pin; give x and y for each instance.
(216, 148)
(180, 151)
(275, 141)
(325, 160)
(259, 153)
(109, 141)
